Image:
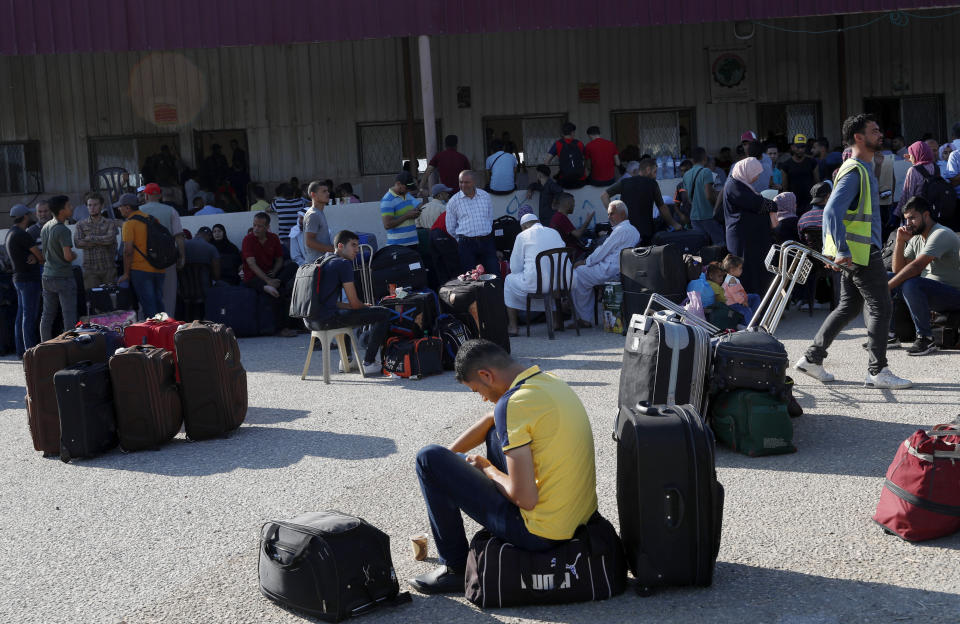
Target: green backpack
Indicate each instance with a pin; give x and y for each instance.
(752, 422)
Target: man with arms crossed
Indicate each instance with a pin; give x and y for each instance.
(537, 483)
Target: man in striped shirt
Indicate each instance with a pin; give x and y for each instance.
(287, 204)
(470, 221)
(399, 211)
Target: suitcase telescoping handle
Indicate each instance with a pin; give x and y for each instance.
(691, 319)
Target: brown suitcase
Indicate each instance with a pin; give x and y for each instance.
(39, 365)
(145, 397)
(213, 383)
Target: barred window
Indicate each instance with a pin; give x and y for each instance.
(382, 146)
(782, 121)
(910, 116)
(664, 132)
(20, 168)
(529, 136)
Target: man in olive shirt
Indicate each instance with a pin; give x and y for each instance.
(59, 286)
(926, 265)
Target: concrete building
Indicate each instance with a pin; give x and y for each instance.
(326, 89)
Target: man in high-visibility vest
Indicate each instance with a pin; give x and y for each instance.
(852, 225)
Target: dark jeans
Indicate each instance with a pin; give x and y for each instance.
(863, 284)
(28, 308)
(375, 316)
(712, 229)
(59, 295)
(149, 289)
(923, 295)
(449, 485)
(474, 251)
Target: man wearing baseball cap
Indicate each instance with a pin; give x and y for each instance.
(800, 173)
(399, 211)
(169, 218)
(437, 205)
(27, 271)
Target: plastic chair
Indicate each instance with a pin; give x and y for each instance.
(559, 277)
(326, 336)
(108, 179)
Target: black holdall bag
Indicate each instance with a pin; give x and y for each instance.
(328, 564)
(648, 270)
(306, 298)
(751, 359)
(590, 566)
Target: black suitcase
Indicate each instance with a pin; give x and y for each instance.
(903, 326)
(396, 264)
(713, 253)
(664, 362)
(750, 359)
(328, 564)
(648, 270)
(669, 499)
(109, 297)
(490, 322)
(85, 402)
(505, 231)
(688, 241)
(414, 315)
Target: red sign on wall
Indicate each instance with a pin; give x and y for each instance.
(589, 92)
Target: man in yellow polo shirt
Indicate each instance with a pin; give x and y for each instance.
(145, 279)
(537, 483)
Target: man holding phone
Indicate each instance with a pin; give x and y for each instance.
(537, 482)
(399, 211)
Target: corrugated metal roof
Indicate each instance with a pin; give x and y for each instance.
(62, 26)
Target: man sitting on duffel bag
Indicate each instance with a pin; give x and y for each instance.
(537, 483)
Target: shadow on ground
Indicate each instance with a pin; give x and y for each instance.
(250, 448)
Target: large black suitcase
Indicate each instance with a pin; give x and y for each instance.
(479, 305)
(85, 402)
(648, 270)
(505, 231)
(396, 264)
(750, 359)
(713, 253)
(668, 496)
(327, 564)
(664, 362)
(109, 297)
(689, 241)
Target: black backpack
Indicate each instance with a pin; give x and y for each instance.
(161, 246)
(306, 300)
(940, 194)
(570, 156)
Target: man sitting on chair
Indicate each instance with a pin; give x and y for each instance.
(603, 265)
(538, 481)
(337, 275)
(522, 279)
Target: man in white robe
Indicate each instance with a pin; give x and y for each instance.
(533, 239)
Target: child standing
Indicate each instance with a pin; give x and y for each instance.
(738, 298)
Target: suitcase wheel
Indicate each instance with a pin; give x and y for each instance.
(644, 591)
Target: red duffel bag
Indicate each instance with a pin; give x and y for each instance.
(921, 496)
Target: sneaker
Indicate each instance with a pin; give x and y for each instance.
(373, 368)
(886, 379)
(441, 580)
(923, 346)
(340, 368)
(816, 371)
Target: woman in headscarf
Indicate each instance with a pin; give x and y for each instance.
(230, 259)
(747, 217)
(920, 154)
(786, 229)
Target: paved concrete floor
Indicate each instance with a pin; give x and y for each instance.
(171, 535)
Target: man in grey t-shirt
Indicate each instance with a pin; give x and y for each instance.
(926, 265)
(316, 233)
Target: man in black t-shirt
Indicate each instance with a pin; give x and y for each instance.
(337, 275)
(641, 193)
(27, 272)
(800, 173)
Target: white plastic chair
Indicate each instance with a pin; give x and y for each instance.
(325, 336)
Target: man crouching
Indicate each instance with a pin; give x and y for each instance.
(537, 483)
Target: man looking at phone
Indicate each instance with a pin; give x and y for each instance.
(537, 482)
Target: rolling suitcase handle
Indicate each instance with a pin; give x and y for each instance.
(691, 319)
(365, 276)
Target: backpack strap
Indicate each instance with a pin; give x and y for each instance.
(146, 221)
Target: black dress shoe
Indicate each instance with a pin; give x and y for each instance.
(441, 580)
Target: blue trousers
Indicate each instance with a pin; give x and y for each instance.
(149, 289)
(26, 332)
(474, 251)
(923, 295)
(451, 485)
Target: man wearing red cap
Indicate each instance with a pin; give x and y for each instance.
(169, 218)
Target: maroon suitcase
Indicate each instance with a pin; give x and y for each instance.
(213, 383)
(145, 397)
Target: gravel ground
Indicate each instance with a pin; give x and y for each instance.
(171, 535)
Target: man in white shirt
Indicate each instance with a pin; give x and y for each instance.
(470, 221)
(532, 239)
(603, 265)
(429, 213)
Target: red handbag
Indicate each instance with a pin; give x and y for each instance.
(921, 496)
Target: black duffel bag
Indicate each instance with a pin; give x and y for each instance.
(590, 566)
(328, 564)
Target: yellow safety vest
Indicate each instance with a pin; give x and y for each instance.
(858, 221)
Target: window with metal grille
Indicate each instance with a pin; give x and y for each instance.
(782, 121)
(912, 116)
(664, 132)
(20, 170)
(382, 146)
(129, 153)
(530, 135)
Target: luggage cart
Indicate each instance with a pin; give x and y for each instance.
(690, 319)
